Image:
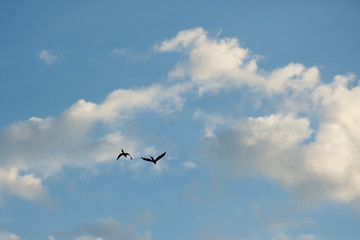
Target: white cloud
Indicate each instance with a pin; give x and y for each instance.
(220, 63)
(212, 122)
(47, 57)
(279, 147)
(122, 103)
(182, 40)
(189, 165)
(334, 155)
(109, 229)
(36, 148)
(8, 236)
(263, 144)
(26, 186)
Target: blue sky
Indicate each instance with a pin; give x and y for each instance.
(255, 102)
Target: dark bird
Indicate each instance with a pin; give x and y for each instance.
(151, 159)
(123, 154)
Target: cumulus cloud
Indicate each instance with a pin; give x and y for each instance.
(317, 163)
(109, 229)
(47, 57)
(334, 155)
(25, 186)
(264, 145)
(38, 147)
(221, 63)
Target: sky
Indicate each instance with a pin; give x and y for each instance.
(256, 104)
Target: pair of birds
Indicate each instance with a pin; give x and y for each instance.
(151, 159)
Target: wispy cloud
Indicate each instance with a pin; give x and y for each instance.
(189, 165)
(47, 57)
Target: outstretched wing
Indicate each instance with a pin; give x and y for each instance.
(147, 159)
(159, 157)
(130, 156)
(121, 154)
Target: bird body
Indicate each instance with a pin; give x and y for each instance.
(123, 154)
(151, 159)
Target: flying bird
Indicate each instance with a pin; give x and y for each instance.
(151, 159)
(123, 154)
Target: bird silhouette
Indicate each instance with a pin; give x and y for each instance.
(123, 154)
(151, 159)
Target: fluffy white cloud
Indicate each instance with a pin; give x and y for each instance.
(109, 229)
(334, 155)
(25, 186)
(47, 57)
(320, 166)
(215, 64)
(265, 145)
(36, 148)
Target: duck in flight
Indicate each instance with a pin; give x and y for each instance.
(123, 154)
(151, 159)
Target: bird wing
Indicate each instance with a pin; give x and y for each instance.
(130, 156)
(159, 157)
(121, 154)
(147, 159)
